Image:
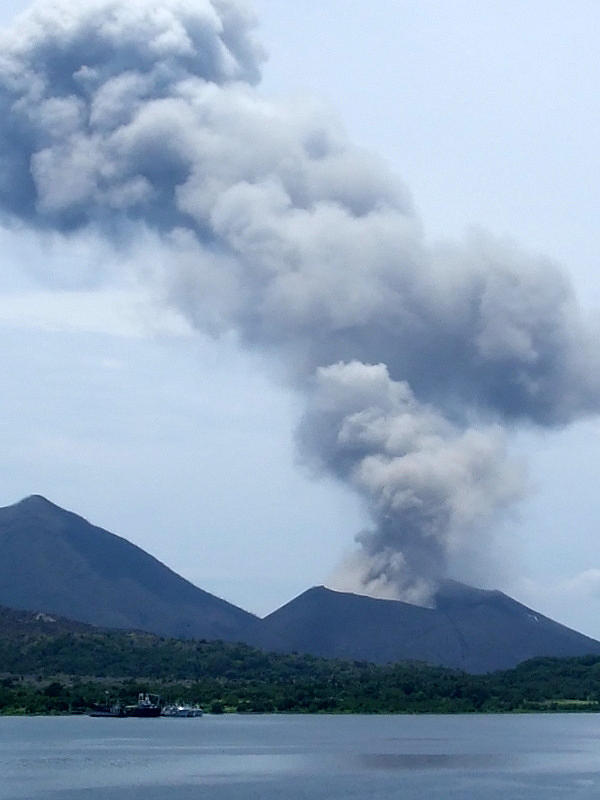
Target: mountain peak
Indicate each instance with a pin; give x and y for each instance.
(477, 630)
(38, 507)
(35, 506)
(35, 501)
(56, 562)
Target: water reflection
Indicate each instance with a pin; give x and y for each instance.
(321, 758)
(433, 761)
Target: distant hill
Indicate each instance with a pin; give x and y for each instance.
(469, 629)
(54, 561)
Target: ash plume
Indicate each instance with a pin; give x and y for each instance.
(129, 116)
(430, 486)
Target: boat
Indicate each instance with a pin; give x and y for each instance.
(148, 705)
(106, 709)
(181, 710)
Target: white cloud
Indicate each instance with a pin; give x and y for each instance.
(113, 312)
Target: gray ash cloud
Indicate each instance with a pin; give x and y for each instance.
(415, 361)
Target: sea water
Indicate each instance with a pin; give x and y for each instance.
(268, 757)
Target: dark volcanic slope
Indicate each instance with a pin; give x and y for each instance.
(471, 629)
(54, 561)
(14, 623)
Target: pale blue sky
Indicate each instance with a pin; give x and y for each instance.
(490, 114)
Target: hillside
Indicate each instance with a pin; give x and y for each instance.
(59, 666)
(56, 562)
(17, 624)
(469, 629)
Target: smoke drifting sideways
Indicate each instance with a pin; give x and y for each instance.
(416, 362)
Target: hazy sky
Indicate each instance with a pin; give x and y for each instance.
(489, 113)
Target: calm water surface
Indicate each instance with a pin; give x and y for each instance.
(299, 757)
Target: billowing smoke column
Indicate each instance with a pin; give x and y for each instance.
(430, 485)
(129, 115)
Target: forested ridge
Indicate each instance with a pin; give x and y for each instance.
(68, 670)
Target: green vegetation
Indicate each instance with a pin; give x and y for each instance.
(69, 671)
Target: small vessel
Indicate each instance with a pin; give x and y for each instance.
(181, 710)
(148, 705)
(106, 709)
(102, 711)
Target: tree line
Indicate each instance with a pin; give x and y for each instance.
(69, 672)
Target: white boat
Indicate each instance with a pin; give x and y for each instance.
(181, 710)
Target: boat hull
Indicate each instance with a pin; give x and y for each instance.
(99, 710)
(142, 711)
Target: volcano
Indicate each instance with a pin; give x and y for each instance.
(56, 562)
(470, 629)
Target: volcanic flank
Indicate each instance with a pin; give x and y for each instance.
(55, 562)
(470, 629)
